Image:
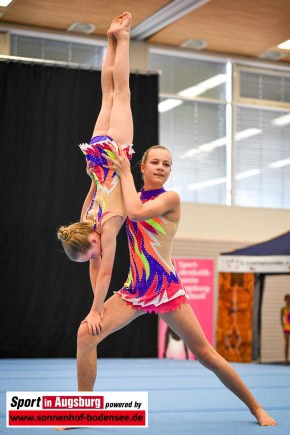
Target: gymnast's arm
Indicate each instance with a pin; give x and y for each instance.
(137, 211)
(103, 278)
(94, 270)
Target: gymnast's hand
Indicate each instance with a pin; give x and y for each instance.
(94, 322)
(89, 170)
(120, 163)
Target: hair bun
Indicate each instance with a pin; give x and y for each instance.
(63, 234)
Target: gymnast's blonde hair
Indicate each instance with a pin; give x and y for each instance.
(145, 155)
(74, 238)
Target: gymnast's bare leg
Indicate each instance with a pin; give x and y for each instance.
(115, 120)
(185, 324)
(121, 130)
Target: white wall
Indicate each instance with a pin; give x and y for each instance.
(236, 224)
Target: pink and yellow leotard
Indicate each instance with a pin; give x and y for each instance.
(107, 201)
(286, 319)
(152, 283)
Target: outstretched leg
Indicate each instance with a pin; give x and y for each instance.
(107, 82)
(185, 324)
(117, 314)
(121, 122)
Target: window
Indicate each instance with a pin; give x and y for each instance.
(194, 129)
(263, 160)
(262, 86)
(51, 49)
(208, 131)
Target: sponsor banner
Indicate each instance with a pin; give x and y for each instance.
(243, 263)
(76, 409)
(197, 276)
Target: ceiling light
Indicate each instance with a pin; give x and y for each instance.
(279, 163)
(214, 144)
(282, 120)
(247, 174)
(5, 3)
(78, 27)
(194, 44)
(272, 55)
(168, 104)
(285, 45)
(204, 86)
(207, 183)
(165, 16)
(190, 153)
(249, 132)
(244, 134)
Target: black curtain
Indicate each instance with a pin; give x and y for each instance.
(45, 113)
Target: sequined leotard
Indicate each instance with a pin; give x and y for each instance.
(152, 283)
(107, 201)
(286, 320)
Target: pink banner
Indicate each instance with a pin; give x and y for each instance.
(197, 276)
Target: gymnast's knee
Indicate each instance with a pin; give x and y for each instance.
(84, 340)
(208, 357)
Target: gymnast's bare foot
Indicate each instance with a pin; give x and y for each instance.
(124, 27)
(263, 418)
(116, 25)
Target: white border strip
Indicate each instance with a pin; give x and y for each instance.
(264, 263)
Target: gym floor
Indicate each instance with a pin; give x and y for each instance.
(184, 397)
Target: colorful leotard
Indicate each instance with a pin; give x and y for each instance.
(286, 319)
(152, 283)
(107, 201)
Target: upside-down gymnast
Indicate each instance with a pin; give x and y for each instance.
(94, 237)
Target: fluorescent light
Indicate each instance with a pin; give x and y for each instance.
(284, 45)
(247, 174)
(207, 183)
(190, 153)
(282, 120)
(206, 147)
(249, 132)
(214, 144)
(244, 134)
(5, 3)
(204, 86)
(165, 16)
(279, 163)
(222, 180)
(168, 104)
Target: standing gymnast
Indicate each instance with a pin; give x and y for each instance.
(94, 237)
(153, 284)
(285, 323)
